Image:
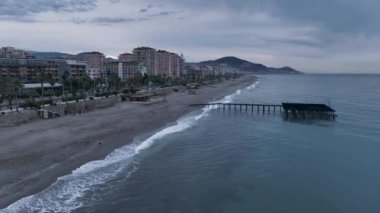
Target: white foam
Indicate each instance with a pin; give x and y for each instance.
(64, 195)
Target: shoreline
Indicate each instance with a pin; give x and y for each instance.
(40, 152)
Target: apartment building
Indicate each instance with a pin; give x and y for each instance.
(29, 70)
(124, 70)
(126, 57)
(148, 56)
(95, 62)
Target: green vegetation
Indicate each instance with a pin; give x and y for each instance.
(74, 89)
(10, 91)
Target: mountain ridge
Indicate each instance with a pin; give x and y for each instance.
(247, 66)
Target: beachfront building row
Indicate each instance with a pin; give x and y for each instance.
(143, 60)
(30, 70)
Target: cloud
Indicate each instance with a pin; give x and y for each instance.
(120, 20)
(164, 13)
(29, 7)
(104, 20)
(309, 35)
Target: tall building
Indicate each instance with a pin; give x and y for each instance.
(175, 65)
(127, 57)
(95, 62)
(148, 56)
(164, 63)
(169, 64)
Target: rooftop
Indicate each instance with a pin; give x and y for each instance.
(307, 107)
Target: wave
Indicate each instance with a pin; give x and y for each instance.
(64, 195)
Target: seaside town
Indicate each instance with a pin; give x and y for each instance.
(34, 82)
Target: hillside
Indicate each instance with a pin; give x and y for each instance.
(246, 66)
(47, 55)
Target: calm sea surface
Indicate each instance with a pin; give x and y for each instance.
(214, 161)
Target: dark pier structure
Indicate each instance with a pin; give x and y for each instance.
(289, 110)
(308, 111)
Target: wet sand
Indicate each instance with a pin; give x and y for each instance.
(34, 155)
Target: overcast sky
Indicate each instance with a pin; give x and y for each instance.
(310, 35)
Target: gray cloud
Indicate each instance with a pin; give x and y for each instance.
(327, 33)
(121, 20)
(149, 7)
(163, 13)
(340, 16)
(28, 7)
(104, 20)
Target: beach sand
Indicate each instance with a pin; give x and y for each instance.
(34, 155)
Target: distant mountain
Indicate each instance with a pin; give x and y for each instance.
(246, 66)
(47, 55)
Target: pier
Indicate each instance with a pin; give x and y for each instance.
(289, 110)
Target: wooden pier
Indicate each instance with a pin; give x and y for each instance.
(264, 108)
(289, 110)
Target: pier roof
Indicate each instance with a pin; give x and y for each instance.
(307, 107)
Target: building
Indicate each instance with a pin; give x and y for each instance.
(75, 69)
(124, 70)
(95, 62)
(142, 69)
(129, 70)
(148, 56)
(127, 57)
(164, 63)
(169, 64)
(111, 68)
(175, 66)
(29, 70)
(10, 52)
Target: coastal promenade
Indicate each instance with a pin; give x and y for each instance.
(34, 155)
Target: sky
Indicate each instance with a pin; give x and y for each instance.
(314, 36)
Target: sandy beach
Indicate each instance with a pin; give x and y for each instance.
(34, 155)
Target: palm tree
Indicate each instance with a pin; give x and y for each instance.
(42, 78)
(97, 82)
(51, 81)
(3, 89)
(16, 84)
(10, 89)
(64, 79)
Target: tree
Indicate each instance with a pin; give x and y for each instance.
(51, 81)
(97, 83)
(65, 76)
(115, 82)
(10, 89)
(16, 84)
(42, 78)
(32, 95)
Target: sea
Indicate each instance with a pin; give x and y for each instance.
(218, 161)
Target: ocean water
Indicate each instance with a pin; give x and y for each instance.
(215, 161)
